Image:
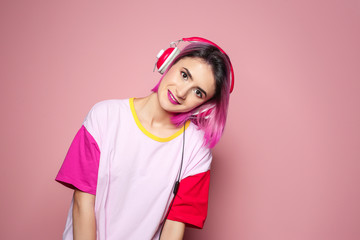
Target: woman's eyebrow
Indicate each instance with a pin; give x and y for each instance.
(188, 73)
(202, 91)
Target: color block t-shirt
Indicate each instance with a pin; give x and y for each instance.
(132, 173)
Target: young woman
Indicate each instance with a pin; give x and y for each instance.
(126, 161)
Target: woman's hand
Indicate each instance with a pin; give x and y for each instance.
(84, 224)
(173, 230)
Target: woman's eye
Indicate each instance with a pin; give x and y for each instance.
(184, 75)
(198, 93)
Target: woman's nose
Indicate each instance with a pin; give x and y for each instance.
(182, 91)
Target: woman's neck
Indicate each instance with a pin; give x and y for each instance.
(150, 112)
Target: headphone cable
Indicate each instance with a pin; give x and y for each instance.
(177, 183)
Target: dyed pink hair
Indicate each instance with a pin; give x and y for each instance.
(211, 115)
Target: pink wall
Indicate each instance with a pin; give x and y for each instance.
(288, 164)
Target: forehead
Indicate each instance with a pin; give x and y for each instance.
(200, 71)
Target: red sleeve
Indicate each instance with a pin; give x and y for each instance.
(191, 202)
(81, 164)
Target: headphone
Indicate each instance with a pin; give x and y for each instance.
(165, 57)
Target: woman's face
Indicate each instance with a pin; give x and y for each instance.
(188, 83)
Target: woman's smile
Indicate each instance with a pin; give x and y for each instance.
(172, 99)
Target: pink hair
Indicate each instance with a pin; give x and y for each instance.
(211, 115)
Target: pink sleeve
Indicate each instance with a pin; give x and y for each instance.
(191, 202)
(81, 164)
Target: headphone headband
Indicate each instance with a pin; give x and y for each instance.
(166, 57)
(199, 39)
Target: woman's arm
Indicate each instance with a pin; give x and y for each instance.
(173, 230)
(84, 224)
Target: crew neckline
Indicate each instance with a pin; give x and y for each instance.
(149, 134)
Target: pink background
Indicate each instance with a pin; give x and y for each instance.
(287, 166)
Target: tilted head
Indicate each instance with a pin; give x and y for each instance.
(210, 116)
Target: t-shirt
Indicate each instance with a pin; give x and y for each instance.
(132, 173)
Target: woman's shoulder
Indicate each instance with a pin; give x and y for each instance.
(111, 103)
(195, 135)
(109, 109)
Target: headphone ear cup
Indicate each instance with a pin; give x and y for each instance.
(165, 58)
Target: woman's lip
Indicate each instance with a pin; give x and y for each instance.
(172, 99)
